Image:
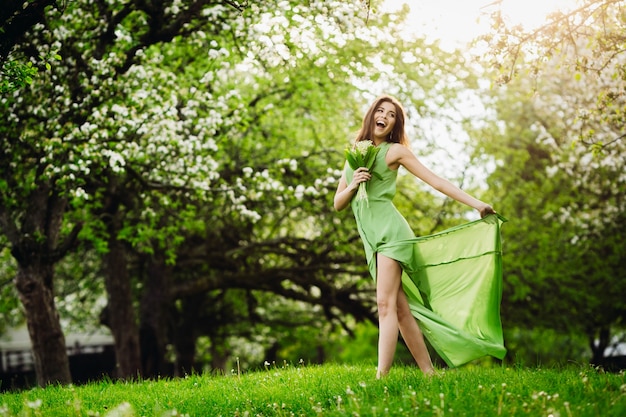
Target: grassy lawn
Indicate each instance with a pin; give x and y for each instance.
(339, 390)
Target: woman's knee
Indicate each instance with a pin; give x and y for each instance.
(385, 305)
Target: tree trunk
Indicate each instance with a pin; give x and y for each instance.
(219, 357)
(185, 344)
(34, 284)
(153, 320)
(120, 313)
(35, 247)
(184, 337)
(598, 345)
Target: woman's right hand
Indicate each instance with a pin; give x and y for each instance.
(345, 191)
(360, 175)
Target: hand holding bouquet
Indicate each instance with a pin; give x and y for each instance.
(363, 154)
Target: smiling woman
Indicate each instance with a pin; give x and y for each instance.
(455, 23)
(397, 261)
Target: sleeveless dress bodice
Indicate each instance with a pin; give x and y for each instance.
(378, 220)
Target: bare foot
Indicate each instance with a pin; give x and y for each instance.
(433, 373)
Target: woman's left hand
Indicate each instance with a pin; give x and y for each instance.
(486, 210)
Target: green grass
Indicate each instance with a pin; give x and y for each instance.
(339, 390)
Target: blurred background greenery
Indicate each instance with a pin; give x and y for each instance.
(168, 171)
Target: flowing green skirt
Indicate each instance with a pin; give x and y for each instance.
(453, 281)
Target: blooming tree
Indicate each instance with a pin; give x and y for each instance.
(588, 42)
(191, 148)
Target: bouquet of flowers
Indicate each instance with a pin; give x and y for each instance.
(363, 154)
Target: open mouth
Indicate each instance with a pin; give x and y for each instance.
(381, 124)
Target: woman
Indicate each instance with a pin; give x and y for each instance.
(380, 223)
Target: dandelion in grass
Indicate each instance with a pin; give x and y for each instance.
(34, 404)
(363, 154)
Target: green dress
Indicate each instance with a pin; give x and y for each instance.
(452, 279)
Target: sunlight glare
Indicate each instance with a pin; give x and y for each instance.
(456, 22)
(533, 13)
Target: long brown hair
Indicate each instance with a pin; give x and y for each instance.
(397, 135)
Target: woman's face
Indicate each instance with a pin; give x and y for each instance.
(384, 120)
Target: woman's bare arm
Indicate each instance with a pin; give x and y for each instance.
(401, 155)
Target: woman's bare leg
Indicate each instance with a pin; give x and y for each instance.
(412, 334)
(388, 281)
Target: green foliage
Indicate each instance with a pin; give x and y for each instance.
(79, 292)
(361, 348)
(545, 348)
(563, 246)
(336, 390)
(10, 311)
(16, 75)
